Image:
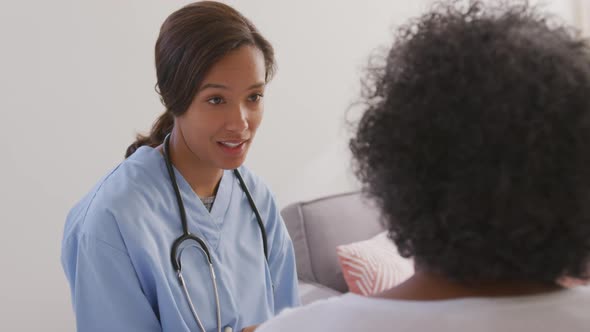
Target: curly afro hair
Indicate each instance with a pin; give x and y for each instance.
(475, 144)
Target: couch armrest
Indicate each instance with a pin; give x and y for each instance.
(319, 226)
(311, 292)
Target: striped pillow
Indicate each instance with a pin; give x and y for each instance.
(373, 265)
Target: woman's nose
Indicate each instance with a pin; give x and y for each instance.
(237, 119)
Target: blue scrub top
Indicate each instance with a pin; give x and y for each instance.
(117, 243)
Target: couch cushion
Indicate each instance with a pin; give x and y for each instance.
(317, 227)
(373, 266)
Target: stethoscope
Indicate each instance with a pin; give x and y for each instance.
(187, 236)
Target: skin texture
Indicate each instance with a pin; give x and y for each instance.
(250, 328)
(425, 286)
(228, 107)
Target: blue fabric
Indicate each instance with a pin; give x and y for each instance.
(117, 243)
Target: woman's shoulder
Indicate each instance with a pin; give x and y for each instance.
(133, 185)
(256, 185)
(138, 177)
(261, 193)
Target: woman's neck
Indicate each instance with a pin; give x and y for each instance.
(425, 286)
(202, 178)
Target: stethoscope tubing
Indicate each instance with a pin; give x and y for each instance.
(175, 255)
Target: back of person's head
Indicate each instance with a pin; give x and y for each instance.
(475, 143)
(191, 41)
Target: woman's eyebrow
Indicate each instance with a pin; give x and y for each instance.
(221, 86)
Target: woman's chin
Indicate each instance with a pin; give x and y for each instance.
(231, 164)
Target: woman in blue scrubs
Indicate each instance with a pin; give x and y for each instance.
(212, 67)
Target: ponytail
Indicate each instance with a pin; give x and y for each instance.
(160, 129)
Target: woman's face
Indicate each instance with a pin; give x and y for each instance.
(221, 122)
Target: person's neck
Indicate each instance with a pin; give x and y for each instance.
(425, 286)
(202, 178)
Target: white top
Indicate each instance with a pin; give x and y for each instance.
(567, 310)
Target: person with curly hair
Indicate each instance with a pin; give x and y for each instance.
(475, 145)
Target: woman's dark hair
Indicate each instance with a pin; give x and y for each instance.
(475, 144)
(191, 41)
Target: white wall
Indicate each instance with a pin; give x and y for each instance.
(76, 83)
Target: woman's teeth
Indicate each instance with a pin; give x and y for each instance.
(231, 145)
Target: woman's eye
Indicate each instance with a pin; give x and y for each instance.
(255, 97)
(215, 100)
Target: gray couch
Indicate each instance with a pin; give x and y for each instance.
(317, 227)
